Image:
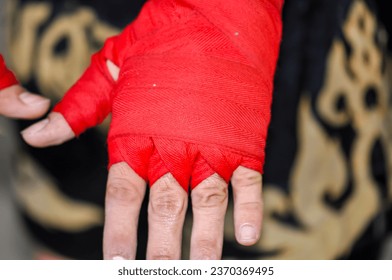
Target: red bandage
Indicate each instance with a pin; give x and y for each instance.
(7, 78)
(194, 91)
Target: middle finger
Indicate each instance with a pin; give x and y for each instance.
(166, 214)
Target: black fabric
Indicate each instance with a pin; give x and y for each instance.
(310, 29)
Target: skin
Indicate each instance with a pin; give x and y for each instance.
(168, 203)
(16, 102)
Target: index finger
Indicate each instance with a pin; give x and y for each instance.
(124, 196)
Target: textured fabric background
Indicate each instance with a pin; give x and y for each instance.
(14, 240)
(311, 54)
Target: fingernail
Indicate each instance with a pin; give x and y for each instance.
(118, 258)
(247, 233)
(32, 99)
(35, 127)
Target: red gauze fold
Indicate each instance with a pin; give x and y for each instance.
(7, 78)
(194, 92)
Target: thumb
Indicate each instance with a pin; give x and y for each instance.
(16, 102)
(51, 131)
(55, 130)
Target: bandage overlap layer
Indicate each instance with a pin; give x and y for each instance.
(194, 90)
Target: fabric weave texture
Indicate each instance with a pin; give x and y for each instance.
(194, 91)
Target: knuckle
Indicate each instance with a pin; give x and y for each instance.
(244, 178)
(121, 189)
(209, 195)
(167, 203)
(251, 206)
(207, 250)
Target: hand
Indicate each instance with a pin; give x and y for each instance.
(167, 204)
(157, 136)
(16, 102)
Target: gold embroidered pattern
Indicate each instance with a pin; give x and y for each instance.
(321, 168)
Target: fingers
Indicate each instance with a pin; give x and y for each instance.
(16, 102)
(54, 130)
(49, 132)
(209, 204)
(247, 191)
(168, 199)
(166, 214)
(124, 196)
(167, 209)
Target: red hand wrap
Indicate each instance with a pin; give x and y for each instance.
(7, 78)
(194, 92)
